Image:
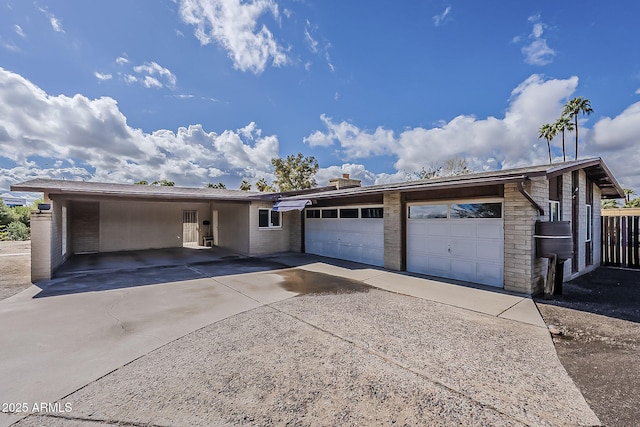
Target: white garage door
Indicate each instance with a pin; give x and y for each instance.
(463, 240)
(351, 233)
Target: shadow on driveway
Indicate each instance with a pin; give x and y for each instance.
(107, 271)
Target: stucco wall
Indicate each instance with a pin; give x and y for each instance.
(268, 240)
(233, 226)
(128, 225)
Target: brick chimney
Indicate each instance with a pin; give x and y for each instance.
(344, 182)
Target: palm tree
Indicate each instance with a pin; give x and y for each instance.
(547, 131)
(245, 185)
(561, 125)
(574, 107)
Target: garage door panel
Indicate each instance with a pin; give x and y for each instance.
(428, 245)
(462, 269)
(461, 228)
(492, 249)
(470, 249)
(437, 228)
(488, 273)
(463, 248)
(489, 229)
(352, 239)
(439, 265)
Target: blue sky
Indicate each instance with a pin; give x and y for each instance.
(199, 91)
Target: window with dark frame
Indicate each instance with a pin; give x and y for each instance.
(268, 218)
(329, 213)
(313, 213)
(372, 213)
(349, 213)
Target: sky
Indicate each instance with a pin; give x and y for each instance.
(207, 91)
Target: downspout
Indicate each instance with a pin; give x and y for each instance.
(528, 196)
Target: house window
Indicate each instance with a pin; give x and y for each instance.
(268, 218)
(589, 223)
(313, 213)
(371, 213)
(554, 210)
(349, 213)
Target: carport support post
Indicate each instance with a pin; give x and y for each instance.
(394, 231)
(40, 246)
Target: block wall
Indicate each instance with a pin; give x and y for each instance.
(393, 231)
(523, 271)
(268, 240)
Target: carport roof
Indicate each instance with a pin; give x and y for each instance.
(595, 169)
(100, 189)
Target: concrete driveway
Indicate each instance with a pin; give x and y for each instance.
(220, 340)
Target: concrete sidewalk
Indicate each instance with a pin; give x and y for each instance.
(52, 346)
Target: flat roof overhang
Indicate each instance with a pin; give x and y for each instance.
(81, 190)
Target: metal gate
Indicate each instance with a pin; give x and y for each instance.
(189, 227)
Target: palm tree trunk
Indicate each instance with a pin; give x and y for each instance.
(564, 157)
(549, 147)
(575, 121)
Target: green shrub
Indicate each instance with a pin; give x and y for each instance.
(15, 230)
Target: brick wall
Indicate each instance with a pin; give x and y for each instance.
(393, 232)
(523, 271)
(295, 230)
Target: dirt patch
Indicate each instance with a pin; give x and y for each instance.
(598, 317)
(15, 265)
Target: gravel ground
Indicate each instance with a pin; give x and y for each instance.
(367, 357)
(598, 317)
(15, 267)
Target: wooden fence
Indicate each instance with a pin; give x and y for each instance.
(621, 241)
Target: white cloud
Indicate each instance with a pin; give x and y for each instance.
(56, 24)
(354, 142)
(311, 42)
(355, 171)
(440, 19)
(122, 60)
(488, 142)
(637, 91)
(18, 30)
(537, 52)
(315, 47)
(102, 76)
(616, 140)
(9, 46)
(234, 26)
(150, 69)
(130, 79)
(495, 142)
(95, 136)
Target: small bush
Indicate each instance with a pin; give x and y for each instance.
(16, 230)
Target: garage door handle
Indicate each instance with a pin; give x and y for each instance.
(449, 250)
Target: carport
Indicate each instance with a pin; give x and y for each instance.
(90, 217)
